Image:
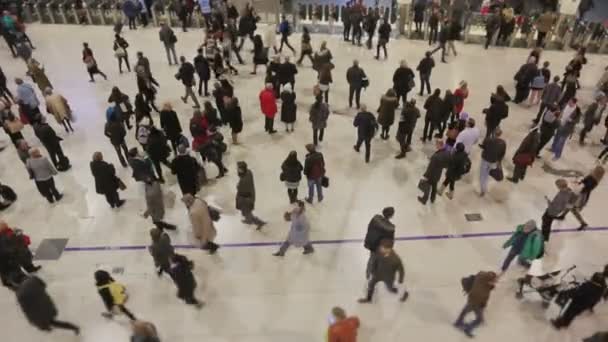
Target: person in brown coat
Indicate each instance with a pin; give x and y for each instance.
(202, 224)
(386, 112)
(478, 297)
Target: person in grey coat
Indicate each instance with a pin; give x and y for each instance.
(167, 36)
(551, 95)
(161, 250)
(42, 171)
(245, 195)
(439, 161)
(299, 231)
(155, 204)
(318, 115)
(592, 116)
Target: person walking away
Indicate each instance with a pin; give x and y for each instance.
(386, 112)
(120, 52)
(356, 17)
(403, 81)
(425, 67)
(318, 115)
(58, 106)
(38, 306)
(235, 117)
(370, 21)
(355, 76)
(346, 21)
(190, 174)
(585, 297)
(305, 46)
(298, 232)
(366, 129)
(157, 150)
(288, 107)
(168, 38)
(433, 25)
(564, 132)
(498, 111)
(524, 76)
(526, 243)
(525, 155)
(268, 106)
(285, 31)
(116, 132)
(161, 250)
(432, 120)
(557, 207)
(113, 294)
(342, 328)
(170, 124)
(245, 195)
(201, 65)
(141, 166)
(314, 169)
(131, 9)
(89, 60)
(384, 35)
(419, 9)
(384, 268)
(186, 75)
(325, 79)
(453, 35)
(444, 34)
(380, 228)
(155, 204)
(550, 97)
(586, 185)
(407, 124)
(477, 301)
(492, 25)
(447, 111)
(536, 86)
(438, 161)
(291, 174)
(592, 116)
(458, 165)
(570, 87)
(544, 25)
(493, 152)
(550, 123)
(202, 222)
(181, 273)
(51, 142)
(106, 181)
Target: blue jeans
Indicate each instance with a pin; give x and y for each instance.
(311, 189)
(558, 145)
(512, 255)
(468, 327)
(484, 174)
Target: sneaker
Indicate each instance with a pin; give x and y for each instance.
(583, 227)
(183, 99)
(278, 254)
(421, 200)
(308, 251)
(260, 225)
(356, 148)
(58, 197)
(364, 301)
(120, 203)
(449, 194)
(405, 296)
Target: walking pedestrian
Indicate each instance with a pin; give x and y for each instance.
(291, 174)
(549, 124)
(288, 107)
(587, 185)
(386, 112)
(458, 165)
(201, 64)
(186, 75)
(36, 71)
(492, 154)
(355, 77)
(438, 161)
(51, 142)
(443, 39)
(460, 94)
(285, 30)
(380, 228)
(299, 230)
(325, 79)
(170, 124)
(141, 166)
(384, 268)
(403, 81)
(113, 294)
(557, 207)
(524, 76)
(268, 106)
(477, 300)
(498, 111)
(58, 106)
(433, 23)
(155, 204)
(407, 123)
(384, 35)
(168, 38)
(592, 116)
(234, 116)
(584, 297)
(116, 132)
(161, 250)
(314, 169)
(202, 222)
(526, 244)
(157, 150)
(122, 106)
(120, 52)
(432, 119)
(305, 46)
(366, 125)
(89, 60)
(564, 132)
(245, 196)
(492, 25)
(181, 273)
(425, 67)
(106, 181)
(190, 174)
(550, 97)
(318, 115)
(525, 155)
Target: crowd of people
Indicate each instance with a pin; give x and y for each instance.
(453, 130)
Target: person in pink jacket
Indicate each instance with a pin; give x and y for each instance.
(268, 105)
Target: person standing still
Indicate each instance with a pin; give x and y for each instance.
(106, 181)
(477, 300)
(168, 38)
(384, 35)
(201, 64)
(493, 152)
(425, 67)
(318, 115)
(354, 77)
(314, 169)
(268, 106)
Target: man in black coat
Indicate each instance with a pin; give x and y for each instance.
(444, 35)
(287, 73)
(188, 171)
(425, 67)
(106, 182)
(366, 129)
(379, 228)
(497, 111)
(38, 306)
(439, 161)
(201, 64)
(432, 119)
(403, 81)
(346, 12)
(186, 75)
(51, 142)
(354, 77)
(371, 21)
(407, 124)
(356, 18)
(115, 130)
(384, 35)
(523, 77)
(585, 297)
(493, 152)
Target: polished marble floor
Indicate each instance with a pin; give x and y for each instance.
(252, 296)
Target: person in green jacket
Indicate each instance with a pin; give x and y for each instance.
(526, 242)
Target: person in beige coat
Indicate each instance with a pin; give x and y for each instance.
(58, 106)
(202, 224)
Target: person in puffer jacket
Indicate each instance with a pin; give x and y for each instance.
(112, 293)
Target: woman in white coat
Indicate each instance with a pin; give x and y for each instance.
(298, 232)
(202, 224)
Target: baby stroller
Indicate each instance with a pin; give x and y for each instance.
(553, 286)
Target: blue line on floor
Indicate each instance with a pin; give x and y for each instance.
(329, 242)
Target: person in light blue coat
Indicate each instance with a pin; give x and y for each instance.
(298, 232)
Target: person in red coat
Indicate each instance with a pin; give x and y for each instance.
(198, 128)
(268, 105)
(21, 243)
(460, 95)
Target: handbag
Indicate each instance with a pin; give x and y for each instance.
(214, 214)
(282, 177)
(523, 159)
(497, 173)
(423, 185)
(120, 52)
(325, 182)
(121, 185)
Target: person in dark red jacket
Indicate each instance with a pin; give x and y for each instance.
(268, 105)
(198, 129)
(20, 242)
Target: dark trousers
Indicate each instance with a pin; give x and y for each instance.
(56, 154)
(293, 195)
(603, 153)
(425, 80)
(91, 73)
(357, 33)
(586, 129)
(112, 198)
(63, 325)
(402, 94)
(384, 132)
(202, 83)
(132, 24)
(346, 32)
(418, 25)
(489, 36)
(67, 125)
(442, 48)
(268, 124)
(250, 35)
(6, 93)
(305, 53)
(490, 129)
(370, 36)
(512, 255)
(449, 182)
(317, 135)
(381, 44)
(521, 93)
(429, 127)
(540, 39)
(545, 137)
(519, 172)
(371, 286)
(405, 142)
(356, 91)
(430, 193)
(120, 150)
(432, 35)
(48, 190)
(158, 168)
(475, 323)
(126, 60)
(547, 221)
(574, 309)
(541, 110)
(162, 225)
(368, 146)
(285, 40)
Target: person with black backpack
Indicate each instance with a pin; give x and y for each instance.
(477, 288)
(285, 31)
(379, 228)
(459, 165)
